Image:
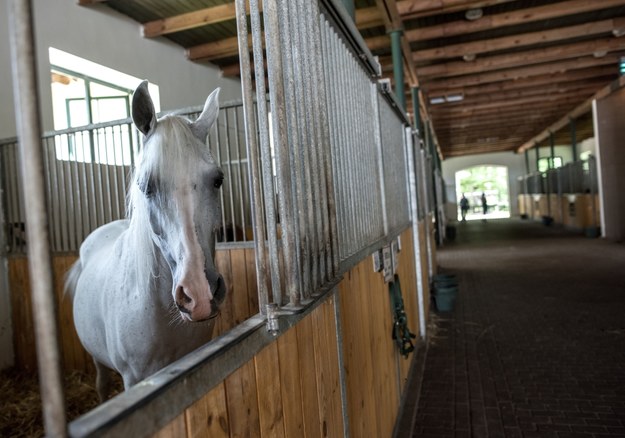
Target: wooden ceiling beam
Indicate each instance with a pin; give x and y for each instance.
(190, 20)
(554, 90)
(524, 58)
(410, 9)
(520, 40)
(521, 16)
(550, 68)
(606, 73)
(576, 112)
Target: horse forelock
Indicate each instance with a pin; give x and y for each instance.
(169, 154)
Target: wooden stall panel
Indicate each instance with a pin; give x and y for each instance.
(237, 266)
(291, 388)
(408, 279)
(375, 371)
(424, 269)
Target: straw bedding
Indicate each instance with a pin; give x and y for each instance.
(20, 401)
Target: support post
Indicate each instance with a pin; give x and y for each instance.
(527, 162)
(573, 140)
(416, 110)
(23, 61)
(537, 156)
(552, 150)
(398, 66)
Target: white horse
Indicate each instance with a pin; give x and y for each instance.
(145, 289)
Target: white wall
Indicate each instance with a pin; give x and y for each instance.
(514, 162)
(99, 34)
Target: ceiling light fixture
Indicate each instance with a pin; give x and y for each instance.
(618, 32)
(600, 53)
(469, 57)
(474, 14)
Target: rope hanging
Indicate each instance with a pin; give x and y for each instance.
(401, 333)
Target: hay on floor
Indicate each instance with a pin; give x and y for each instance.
(20, 401)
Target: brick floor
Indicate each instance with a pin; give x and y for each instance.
(535, 346)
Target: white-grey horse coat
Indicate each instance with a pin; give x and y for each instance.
(145, 289)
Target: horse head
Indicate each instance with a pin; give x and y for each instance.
(176, 192)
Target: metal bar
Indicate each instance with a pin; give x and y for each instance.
(222, 196)
(281, 152)
(288, 221)
(398, 66)
(258, 221)
(40, 266)
(241, 192)
(327, 195)
(332, 147)
(379, 153)
(230, 179)
(414, 210)
(314, 56)
(537, 156)
(573, 139)
(527, 162)
(416, 111)
(292, 76)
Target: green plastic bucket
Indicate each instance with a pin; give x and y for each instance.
(445, 298)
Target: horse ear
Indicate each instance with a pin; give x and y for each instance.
(209, 114)
(143, 114)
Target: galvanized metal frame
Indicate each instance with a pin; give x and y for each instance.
(40, 267)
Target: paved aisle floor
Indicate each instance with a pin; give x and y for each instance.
(535, 346)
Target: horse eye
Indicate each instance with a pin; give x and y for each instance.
(147, 187)
(218, 182)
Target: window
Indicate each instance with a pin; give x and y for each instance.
(543, 163)
(84, 94)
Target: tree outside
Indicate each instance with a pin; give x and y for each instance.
(492, 181)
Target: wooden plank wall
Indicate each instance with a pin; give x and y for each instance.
(571, 210)
(241, 302)
(292, 387)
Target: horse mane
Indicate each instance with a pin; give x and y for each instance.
(169, 151)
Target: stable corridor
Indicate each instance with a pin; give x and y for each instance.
(535, 346)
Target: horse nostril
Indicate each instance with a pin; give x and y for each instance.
(181, 297)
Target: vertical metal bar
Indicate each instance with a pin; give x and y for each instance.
(241, 179)
(414, 210)
(380, 158)
(552, 150)
(293, 77)
(222, 196)
(40, 265)
(573, 139)
(258, 221)
(398, 66)
(315, 59)
(334, 187)
(527, 161)
(537, 152)
(54, 201)
(327, 197)
(230, 179)
(416, 111)
(288, 220)
(280, 148)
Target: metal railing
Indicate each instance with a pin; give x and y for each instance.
(330, 163)
(87, 171)
(573, 177)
